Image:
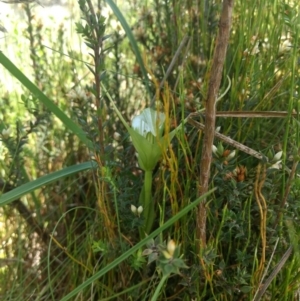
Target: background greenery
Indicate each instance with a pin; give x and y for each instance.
(71, 234)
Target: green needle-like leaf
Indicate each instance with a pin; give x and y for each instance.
(132, 40)
(44, 180)
(69, 123)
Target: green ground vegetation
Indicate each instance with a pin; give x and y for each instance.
(72, 225)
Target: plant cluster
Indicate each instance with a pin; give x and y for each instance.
(101, 169)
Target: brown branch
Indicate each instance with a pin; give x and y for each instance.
(230, 141)
(253, 114)
(213, 89)
(274, 273)
(171, 67)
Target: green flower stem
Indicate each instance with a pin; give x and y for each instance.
(159, 287)
(148, 202)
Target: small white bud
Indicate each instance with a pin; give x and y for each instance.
(133, 209)
(255, 49)
(117, 136)
(167, 254)
(286, 46)
(231, 155)
(214, 149)
(171, 247)
(140, 210)
(277, 156)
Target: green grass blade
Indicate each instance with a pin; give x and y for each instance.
(69, 123)
(44, 180)
(132, 41)
(118, 260)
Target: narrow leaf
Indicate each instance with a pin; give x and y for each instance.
(69, 123)
(44, 180)
(132, 40)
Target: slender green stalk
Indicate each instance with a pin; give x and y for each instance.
(159, 287)
(148, 202)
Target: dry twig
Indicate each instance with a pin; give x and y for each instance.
(214, 85)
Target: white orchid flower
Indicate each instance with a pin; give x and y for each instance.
(150, 143)
(147, 137)
(146, 134)
(149, 121)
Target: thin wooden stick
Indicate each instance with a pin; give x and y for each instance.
(185, 55)
(253, 114)
(276, 270)
(213, 89)
(228, 140)
(171, 67)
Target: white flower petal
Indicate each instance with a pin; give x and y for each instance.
(148, 121)
(276, 165)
